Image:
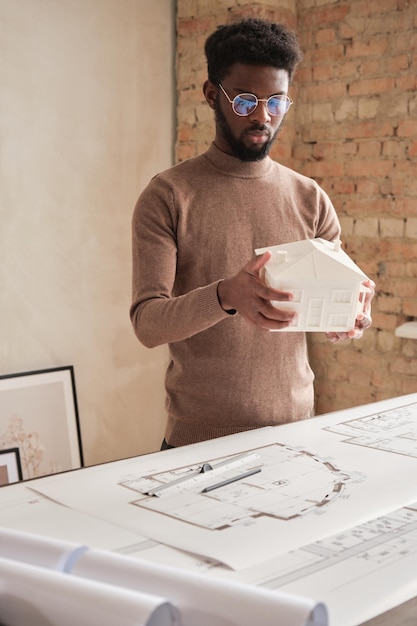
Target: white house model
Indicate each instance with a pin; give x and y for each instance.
(326, 284)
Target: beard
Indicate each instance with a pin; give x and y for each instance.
(237, 147)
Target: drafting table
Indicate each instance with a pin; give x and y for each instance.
(331, 513)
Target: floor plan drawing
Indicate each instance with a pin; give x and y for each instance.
(344, 565)
(370, 546)
(390, 431)
(289, 483)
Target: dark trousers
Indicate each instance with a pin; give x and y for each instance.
(166, 446)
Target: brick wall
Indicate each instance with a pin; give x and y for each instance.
(354, 129)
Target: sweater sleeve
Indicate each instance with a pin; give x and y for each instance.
(157, 313)
(328, 225)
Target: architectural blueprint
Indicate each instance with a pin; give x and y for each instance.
(292, 483)
(350, 564)
(390, 431)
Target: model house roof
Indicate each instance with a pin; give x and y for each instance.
(312, 258)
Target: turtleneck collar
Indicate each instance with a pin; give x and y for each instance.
(231, 166)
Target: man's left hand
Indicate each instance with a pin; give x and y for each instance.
(362, 322)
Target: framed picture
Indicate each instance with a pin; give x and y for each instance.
(10, 467)
(39, 418)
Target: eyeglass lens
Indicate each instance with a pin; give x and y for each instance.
(246, 103)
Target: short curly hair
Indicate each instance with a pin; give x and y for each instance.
(251, 41)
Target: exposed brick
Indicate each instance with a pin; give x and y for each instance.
(185, 151)
(409, 348)
(322, 54)
(372, 86)
(368, 108)
(412, 149)
(369, 168)
(398, 63)
(374, 47)
(405, 207)
(348, 69)
(365, 8)
(384, 321)
(370, 67)
(410, 307)
(343, 186)
(369, 129)
(326, 169)
(185, 27)
(411, 269)
(325, 35)
(408, 384)
(391, 227)
(324, 91)
(403, 365)
(367, 227)
(394, 149)
(367, 187)
(321, 73)
(369, 149)
(388, 304)
(411, 226)
(406, 83)
(387, 342)
(326, 15)
(392, 186)
(407, 128)
(346, 109)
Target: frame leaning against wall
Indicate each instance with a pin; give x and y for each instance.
(10, 467)
(39, 417)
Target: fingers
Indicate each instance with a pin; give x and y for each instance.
(368, 296)
(270, 317)
(355, 333)
(363, 322)
(254, 268)
(256, 264)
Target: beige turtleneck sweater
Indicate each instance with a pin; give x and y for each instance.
(193, 225)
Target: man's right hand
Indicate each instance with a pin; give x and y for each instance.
(252, 299)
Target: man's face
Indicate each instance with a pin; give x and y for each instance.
(250, 137)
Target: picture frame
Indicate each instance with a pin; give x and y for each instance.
(10, 466)
(39, 417)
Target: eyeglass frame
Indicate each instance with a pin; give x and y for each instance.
(258, 100)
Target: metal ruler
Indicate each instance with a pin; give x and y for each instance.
(205, 475)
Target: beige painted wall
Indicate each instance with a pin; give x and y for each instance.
(86, 117)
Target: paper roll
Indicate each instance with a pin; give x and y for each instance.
(202, 600)
(37, 550)
(42, 597)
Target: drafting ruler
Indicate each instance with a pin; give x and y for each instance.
(204, 475)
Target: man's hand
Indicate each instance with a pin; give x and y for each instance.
(363, 321)
(252, 299)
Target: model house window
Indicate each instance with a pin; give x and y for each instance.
(342, 296)
(338, 321)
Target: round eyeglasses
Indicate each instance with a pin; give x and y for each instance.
(245, 103)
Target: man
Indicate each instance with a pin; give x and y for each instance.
(197, 285)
